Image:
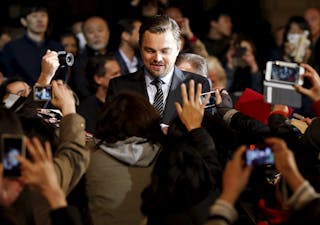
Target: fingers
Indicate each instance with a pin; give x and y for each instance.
(198, 92)
(178, 108)
(191, 91)
(184, 94)
(192, 96)
(302, 90)
(36, 150)
(308, 68)
(25, 164)
(276, 144)
(218, 97)
(239, 153)
(48, 150)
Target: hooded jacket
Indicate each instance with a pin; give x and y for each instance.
(117, 174)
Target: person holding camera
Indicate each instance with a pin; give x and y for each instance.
(22, 57)
(242, 68)
(304, 201)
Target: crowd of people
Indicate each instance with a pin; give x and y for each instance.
(148, 132)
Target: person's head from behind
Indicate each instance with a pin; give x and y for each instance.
(180, 178)
(101, 69)
(149, 8)
(129, 29)
(35, 19)
(69, 42)
(312, 16)
(220, 22)
(216, 72)
(14, 85)
(192, 63)
(9, 122)
(174, 13)
(159, 39)
(96, 32)
(128, 114)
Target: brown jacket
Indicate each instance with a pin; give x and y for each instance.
(70, 160)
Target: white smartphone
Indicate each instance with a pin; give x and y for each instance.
(284, 72)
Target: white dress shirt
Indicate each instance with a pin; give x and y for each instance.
(131, 65)
(152, 89)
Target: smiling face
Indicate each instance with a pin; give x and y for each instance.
(159, 52)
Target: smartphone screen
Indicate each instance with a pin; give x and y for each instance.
(42, 93)
(212, 100)
(284, 72)
(258, 157)
(12, 145)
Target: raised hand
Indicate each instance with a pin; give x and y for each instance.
(9, 189)
(235, 177)
(41, 173)
(192, 110)
(314, 92)
(62, 98)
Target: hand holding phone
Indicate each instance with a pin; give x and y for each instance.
(284, 72)
(42, 93)
(258, 157)
(12, 145)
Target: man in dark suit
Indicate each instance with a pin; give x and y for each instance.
(159, 39)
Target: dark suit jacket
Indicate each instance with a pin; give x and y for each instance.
(136, 82)
(123, 66)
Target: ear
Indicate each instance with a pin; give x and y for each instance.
(213, 24)
(23, 21)
(97, 79)
(125, 36)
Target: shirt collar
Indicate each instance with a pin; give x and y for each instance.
(166, 79)
(127, 61)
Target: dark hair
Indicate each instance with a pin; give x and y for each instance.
(128, 114)
(160, 24)
(301, 22)
(181, 177)
(4, 85)
(127, 25)
(180, 180)
(69, 34)
(28, 9)
(9, 122)
(95, 67)
(215, 13)
(123, 25)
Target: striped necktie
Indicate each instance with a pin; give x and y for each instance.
(158, 98)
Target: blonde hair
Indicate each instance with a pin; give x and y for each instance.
(214, 65)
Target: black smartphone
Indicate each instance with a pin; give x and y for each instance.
(11, 146)
(42, 93)
(258, 156)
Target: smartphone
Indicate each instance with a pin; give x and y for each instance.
(11, 146)
(42, 93)
(257, 157)
(212, 100)
(284, 72)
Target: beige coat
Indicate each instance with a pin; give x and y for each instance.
(70, 160)
(114, 187)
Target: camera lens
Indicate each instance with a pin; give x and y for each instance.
(65, 58)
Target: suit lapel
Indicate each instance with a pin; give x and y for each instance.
(140, 83)
(173, 96)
